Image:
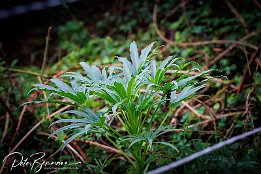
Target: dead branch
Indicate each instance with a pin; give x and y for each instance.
(213, 119)
(257, 4)
(47, 38)
(195, 111)
(110, 149)
(231, 47)
(18, 124)
(246, 72)
(6, 126)
(83, 157)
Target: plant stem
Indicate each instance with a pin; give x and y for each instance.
(25, 72)
(153, 116)
(123, 153)
(165, 118)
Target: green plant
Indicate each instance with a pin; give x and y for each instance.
(135, 93)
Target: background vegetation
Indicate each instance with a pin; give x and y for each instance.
(222, 35)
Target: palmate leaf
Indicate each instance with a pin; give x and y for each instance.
(90, 121)
(95, 115)
(137, 62)
(120, 87)
(147, 136)
(158, 74)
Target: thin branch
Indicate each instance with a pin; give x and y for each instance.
(188, 44)
(40, 122)
(246, 72)
(32, 129)
(83, 158)
(231, 47)
(75, 152)
(213, 119)
(25, 72)
(195, 111)
(257, 4)
(110, 149)
(258, 63)
(47, 38)
(77, 147)
(6, 126)
(237, 14)
(204, 152)
(18, 124)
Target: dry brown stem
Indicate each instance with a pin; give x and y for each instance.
(257, 4)
(6, 125)
(247, 70)
(231, 47)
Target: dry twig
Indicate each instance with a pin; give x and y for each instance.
(47, 38)
(195, 111)
(32, 129)
(257, 4)
(213, 119)
(231, 47)
(83, 158)
(246, 72)
(6, 126)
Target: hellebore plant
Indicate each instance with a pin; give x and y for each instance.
(134, 93)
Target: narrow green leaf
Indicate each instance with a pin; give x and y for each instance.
(63, 86)
(88, 70)
(66, 127)
(71, 96)
(70, 121)
(168, 144)
(72, 138)
(46, 87)
(145, 52)
(134, 55)
(153, 69)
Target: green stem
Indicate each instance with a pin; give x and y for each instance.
(153, 116)
(114, 131)
(165, 118)
(25, 72)
(123, 153)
